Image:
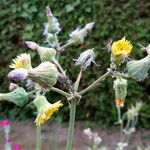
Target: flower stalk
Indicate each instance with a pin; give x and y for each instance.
(95, 83)
(38, 137)
(71, 124)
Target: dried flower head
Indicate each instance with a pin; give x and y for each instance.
(45, 109)
(86, 58)
(22, 61)
(122, 47)
(88, 132)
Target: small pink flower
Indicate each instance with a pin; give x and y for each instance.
(17, 147)
(9, 140)
(5, 122)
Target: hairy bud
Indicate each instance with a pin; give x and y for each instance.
(138, 69)
(78, 35)
(19, 96)
(86, 58)
(46, 54)
(45, 74)
(120, 87)
(18, 74)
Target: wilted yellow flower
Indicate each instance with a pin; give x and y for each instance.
(45, 109)
(22, 61)
(121, 47)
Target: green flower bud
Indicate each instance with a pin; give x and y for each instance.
(53, 25)
(78, 35)
(138, 69)
(120, 87)
(45, 74)
(46, 54)
(134, 110)
(117, 60)
(19, 96)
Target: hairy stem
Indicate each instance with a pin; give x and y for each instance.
(63, 48)
(59, 67)
(57, 42)
(76, 85)
(71, 125)
(95, 83)
(60, 92)
(38, 137)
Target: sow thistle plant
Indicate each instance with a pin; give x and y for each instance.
(42, 79)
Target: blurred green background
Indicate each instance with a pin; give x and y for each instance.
(23, 20)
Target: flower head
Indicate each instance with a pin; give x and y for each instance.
(19, 96)
(45, 109)
(45, 74)
(86, 58)
(5, 122)
(122, 47)
(17, 147)
(138, 69)
(22, 61)
(18, 74)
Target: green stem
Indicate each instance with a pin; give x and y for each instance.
(71, 125)
(63, 48)
(76, 85)
(60, 92)
(95, 83)
(38, 137)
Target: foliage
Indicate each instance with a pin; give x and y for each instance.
(24, 19)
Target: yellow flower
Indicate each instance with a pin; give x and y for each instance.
(22, 61)
(121, 47)
(45, 109)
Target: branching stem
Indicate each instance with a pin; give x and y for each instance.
(95, 83)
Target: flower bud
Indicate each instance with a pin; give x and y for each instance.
(120, 87)
(18, 74)
(32, 45)
(46, 54)
(45, 109)
(53, 25)
(12, 86)
(138, 69)
(89, 26)
(86, 58)
(78, 35)
(19, 96)
(50, 39)
(147, 48)
(134, 110)
(45, 74)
